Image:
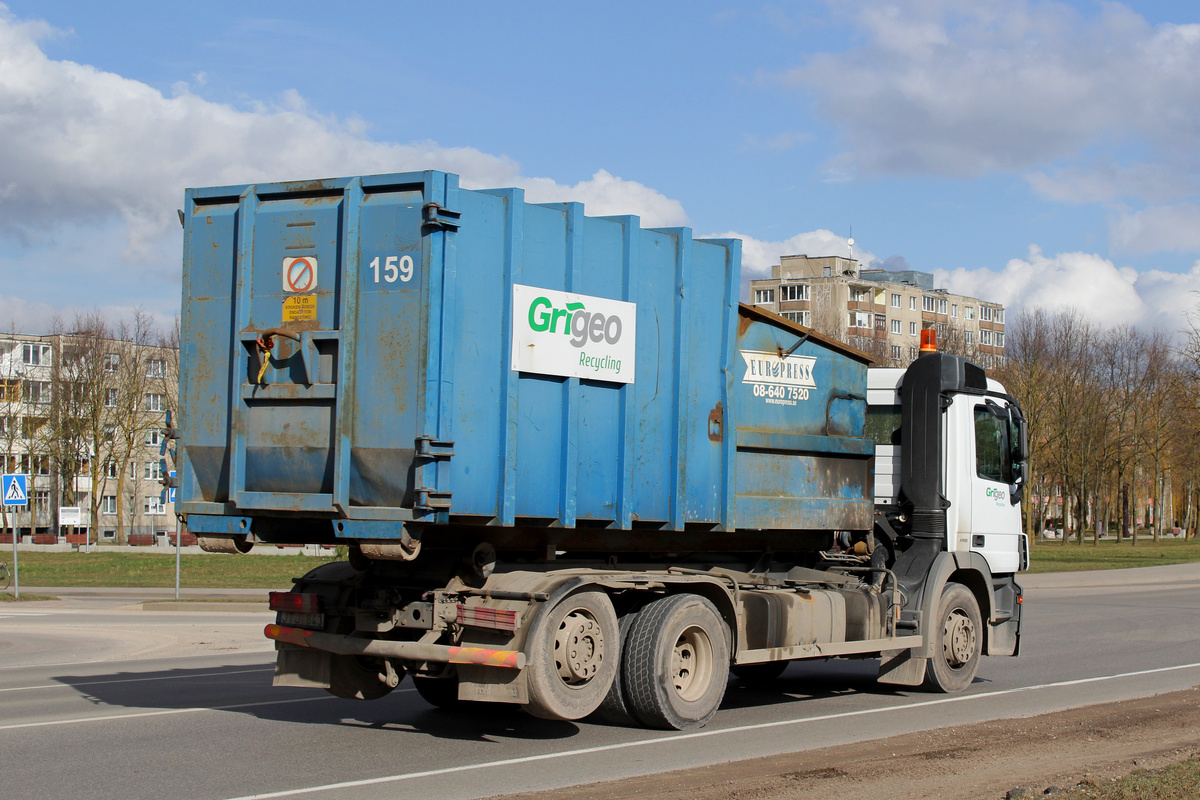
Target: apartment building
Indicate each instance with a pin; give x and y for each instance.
(81, 415)
(881, 312)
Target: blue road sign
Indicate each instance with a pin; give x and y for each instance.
(15, 490)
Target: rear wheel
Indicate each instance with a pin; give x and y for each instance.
(440, 692)
(573, 654)
(350, 677)
(755, 675)
(358, 678)
(614, 709)
(958, 641)
(677, 662)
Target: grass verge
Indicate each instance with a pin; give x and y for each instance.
(1179, 781)
(127, 569)
(157, 570)
(1111, 554)
(7, 596)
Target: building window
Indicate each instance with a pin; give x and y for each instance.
(860, 296)
(985, 338)
(110, 469)
(110, 398)
(799, 317)
(912, 353)
(111, 362)
(968, 312)
(895, 300)
(154, 506)
(998, 316)
(929, 304)
(37, 391)
(153, 437)
(999, 338)
(153, 471)
(156, 368)
(154, 402)
(108, 504)
(860, 319)
(880, 322)
(969, 337)
(895, 352)
(35, 355)
(954, 309)
(764, 297)
(912, 303)
(793, 291)
(912, 329)
(942, 306)
(896, 327)
(41, 499)
(985, 314)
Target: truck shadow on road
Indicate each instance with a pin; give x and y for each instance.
(247, 689)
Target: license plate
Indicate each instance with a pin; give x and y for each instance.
(301, 619)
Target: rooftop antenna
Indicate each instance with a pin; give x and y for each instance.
(850, 242)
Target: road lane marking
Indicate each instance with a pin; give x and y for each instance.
(192, 657)
(169, 711)
(161, 713)
(134, 680)
(671, 739)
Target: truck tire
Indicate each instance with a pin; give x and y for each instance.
(356, 678)
(677, 663)
(614, 709)
(350, 677)
(957, 641)
(439, 692)
(756, 675)
(573, 653)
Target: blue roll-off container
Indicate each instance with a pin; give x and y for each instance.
(394, 405)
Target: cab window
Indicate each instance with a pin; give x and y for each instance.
(883, 424)
(993, 456)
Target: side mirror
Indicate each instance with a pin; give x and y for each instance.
(1018, 435)
(1017, 493)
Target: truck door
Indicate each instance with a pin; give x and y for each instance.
(995, 528)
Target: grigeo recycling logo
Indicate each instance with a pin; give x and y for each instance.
(573, 335)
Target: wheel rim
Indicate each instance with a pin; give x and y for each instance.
(692, 664)
(578, 648)
(958, 639)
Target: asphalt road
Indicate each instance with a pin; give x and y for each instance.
(100, 700)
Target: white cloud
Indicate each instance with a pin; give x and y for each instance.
(758, 255)
(967, 87)
(83, 146)
(605, 195)
(1106, 293)
(1171, 228)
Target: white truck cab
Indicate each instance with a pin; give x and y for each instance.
(980, 476)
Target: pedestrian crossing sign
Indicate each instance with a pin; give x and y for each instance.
(15, 489)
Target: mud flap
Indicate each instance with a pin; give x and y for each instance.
(1004, 638)
(301, 667)
(901, 668)
(491, 684)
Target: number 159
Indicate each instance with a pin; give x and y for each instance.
(394, 267)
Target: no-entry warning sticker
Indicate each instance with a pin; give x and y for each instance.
(300, 274)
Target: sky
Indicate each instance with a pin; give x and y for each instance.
(1035, 153)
